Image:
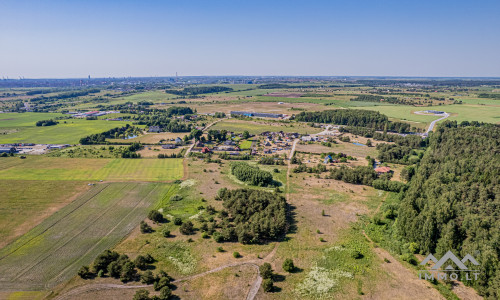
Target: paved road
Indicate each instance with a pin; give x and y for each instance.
(433, 123)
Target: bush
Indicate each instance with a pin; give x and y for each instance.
(155, 216)
(187, 228)
(141, 295)
(128, 272)
(236, 255)
(147, 277)
(288, 265)
(145, 228)
(176, 198)
(85, 273)
(177, 221)
(166, 233)
(266, 271)
(165, 293)
(267, 285)
(141, 262)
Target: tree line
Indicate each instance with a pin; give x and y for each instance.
(354, 117)
(251, 174)
(196, 90)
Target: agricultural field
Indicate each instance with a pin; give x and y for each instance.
(24, 204)
(74, 169)
(20, 128)
(76, 234)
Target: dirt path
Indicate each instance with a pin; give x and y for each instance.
(404, 284)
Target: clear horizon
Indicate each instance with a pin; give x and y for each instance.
(62, 39)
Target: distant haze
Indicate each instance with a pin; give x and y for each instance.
(60, 39)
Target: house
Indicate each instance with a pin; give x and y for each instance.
(306, 138)
(267, 144)
(229, 143)
(205, 150)
(154, 129)
(383, 170)
(178, 140)
(169, 146)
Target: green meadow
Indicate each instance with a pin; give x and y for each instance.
(21, 128)
(75, 169)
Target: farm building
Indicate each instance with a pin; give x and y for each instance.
(256, 114)
(383, 170)
(178, 140)
(169, 146)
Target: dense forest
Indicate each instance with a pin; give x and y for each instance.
(253, 216)
(251, 175)
(453, 200)
(491, 96)
(196, 90)
(354, 117)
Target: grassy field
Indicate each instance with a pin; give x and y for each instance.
(460, 112)
(53, 251)
(21, 128)
(24, 204)
(67, 169)
(257, 127)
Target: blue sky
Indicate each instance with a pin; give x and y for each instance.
(56, 39)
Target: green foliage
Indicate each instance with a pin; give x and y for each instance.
(103, 260)
(196, 90)
(255, 216)
(266, 271)
(46, 123)
(155, 216)
(268, 285)
(84, 272)
(145, 228)
(141, 294)
(288, 265)
(236, 254)
(452, 200)
(388, 185)
(357, 175)
(250, 174)
(177, 221)
(187, 228)
(147, 277)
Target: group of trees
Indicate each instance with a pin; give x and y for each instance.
(453, 200)
(196, 90)
(217, 135)
(357, 175)
(46, 123)
(112, 264)
(251, 174)
(271, 160)
(354, 117)
(165, 122)
(252, 216)
(396, 154)
(100, 138)
(65, 95)
(491, 96)
(379, 136)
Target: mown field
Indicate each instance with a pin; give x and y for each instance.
(53, 251)
(21, 128)
(68, 169)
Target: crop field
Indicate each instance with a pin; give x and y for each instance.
(76, 234)
(257, 127)
(24, 204)
(67, 169)
(21, 128)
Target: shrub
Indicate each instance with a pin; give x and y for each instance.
(236, 255)
(141, 262)
(166, 233)
(145, 228)
(84, 272)
(176, 198)
(220, 249)
(165, 293)
(155, 216)
(288, 265)
(128, 272)
(266, 271)
(147, 277)
(141, 295)
(187, 228)
(177, 221)
(267, 285)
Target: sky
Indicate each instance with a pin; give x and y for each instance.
(75, 39)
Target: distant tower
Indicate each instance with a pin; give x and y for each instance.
(89, 77)
(176, 77)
